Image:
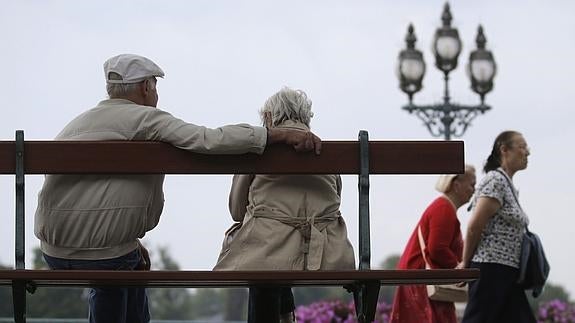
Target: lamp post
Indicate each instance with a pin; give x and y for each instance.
(446, 119)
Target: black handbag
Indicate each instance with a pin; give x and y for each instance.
(533, 265)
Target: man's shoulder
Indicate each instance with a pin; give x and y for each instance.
(122, 104)
(111, 119)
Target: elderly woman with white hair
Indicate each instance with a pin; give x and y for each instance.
(285, 222)
(441, 248)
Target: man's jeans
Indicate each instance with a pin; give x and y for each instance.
(111, 304)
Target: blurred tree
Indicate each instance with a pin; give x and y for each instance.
(169, 303)
(386, 293)
(308, 295)
(38, 261)
(550, 292)
(57, 302)
(6, 309)
(165, 303)
(390, 262)
(208, 302)
(236, 300)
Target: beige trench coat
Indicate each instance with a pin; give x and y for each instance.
(286, 222)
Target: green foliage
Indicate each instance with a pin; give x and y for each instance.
(180, 304)
(55, 302)
(390, 262)
(169, 303)
(208, 302)
(58, 302)
(166, 262)
(235, 300)
(5, 298)
(386, 293)
(38, 261)
(6, 302)
(551, 292)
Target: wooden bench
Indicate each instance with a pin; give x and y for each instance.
(362, 157)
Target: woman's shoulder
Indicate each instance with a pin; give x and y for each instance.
(494, 185)
(492, 177)
(441, 207)
(440, 201)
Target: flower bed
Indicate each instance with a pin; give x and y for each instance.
(336, 311)
(556, 311)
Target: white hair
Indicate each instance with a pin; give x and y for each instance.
(116, 90)
(287, 104)
(444, 182)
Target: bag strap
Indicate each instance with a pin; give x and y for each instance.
(510, 186)
(512, 192)
(422, 246)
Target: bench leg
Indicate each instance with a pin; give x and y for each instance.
(19, 301)
(264, 305)
(365, 296)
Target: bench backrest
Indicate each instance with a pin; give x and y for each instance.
(362, 157)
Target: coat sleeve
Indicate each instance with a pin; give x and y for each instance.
(442, 226)
(231, 139)
(238, 200)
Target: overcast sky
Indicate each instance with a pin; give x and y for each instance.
(224, 58)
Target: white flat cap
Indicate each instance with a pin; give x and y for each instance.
(131, 69)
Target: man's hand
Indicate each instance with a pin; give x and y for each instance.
(299, 140)
(145, 263)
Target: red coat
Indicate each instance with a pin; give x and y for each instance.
(444, 247)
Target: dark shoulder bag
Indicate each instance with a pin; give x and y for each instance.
(533, 265)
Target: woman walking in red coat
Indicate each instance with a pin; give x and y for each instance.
(441, 233)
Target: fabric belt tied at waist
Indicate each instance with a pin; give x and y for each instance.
(311, 230)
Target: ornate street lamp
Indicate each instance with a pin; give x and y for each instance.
(446, 119)
(446, 44)
(411, 66)
(481, 68)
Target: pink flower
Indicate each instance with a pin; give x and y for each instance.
(335, 311)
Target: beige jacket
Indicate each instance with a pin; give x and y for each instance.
(102, 216)
(290, 222)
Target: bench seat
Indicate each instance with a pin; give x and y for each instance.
(192, 279)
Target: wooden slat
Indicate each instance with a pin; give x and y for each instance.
(7, 157)
(337, 157)
(234, 278)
